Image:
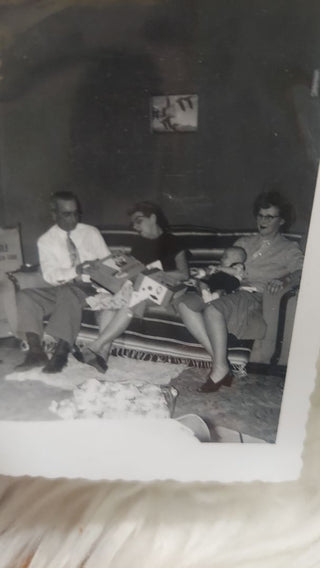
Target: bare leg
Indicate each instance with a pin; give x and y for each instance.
(194, 322)
(105, 318)
(114, 327)
(218, 336)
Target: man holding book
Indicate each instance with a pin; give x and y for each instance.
(66, 252)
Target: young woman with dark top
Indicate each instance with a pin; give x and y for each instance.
(154, 242)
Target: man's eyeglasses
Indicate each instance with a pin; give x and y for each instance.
(266, 217)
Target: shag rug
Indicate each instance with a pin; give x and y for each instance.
(129, 388)
(81, 524)
(120, 370)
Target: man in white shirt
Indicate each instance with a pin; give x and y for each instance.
(66, 252)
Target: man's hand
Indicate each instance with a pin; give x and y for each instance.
(87, 267)
(14, 280)
(121, 275)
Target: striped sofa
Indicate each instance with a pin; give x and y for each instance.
(161, 335)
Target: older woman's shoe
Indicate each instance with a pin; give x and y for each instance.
(210, 386)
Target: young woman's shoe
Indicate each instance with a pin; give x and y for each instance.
(95, 360)
(98, 363)
(210, 386)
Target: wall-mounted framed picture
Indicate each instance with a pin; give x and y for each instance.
(174, 113)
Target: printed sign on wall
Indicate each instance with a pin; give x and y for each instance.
(10, 250)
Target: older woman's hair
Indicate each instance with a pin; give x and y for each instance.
(149, 208)
(274, 198)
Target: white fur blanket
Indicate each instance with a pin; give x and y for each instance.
(80, 524)
(121, 369)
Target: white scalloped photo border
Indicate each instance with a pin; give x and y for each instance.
(163, 449)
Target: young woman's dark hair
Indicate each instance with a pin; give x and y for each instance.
(274, 198)
(148, 208)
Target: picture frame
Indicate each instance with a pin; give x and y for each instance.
(174, 113)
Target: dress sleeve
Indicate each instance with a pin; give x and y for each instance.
(176, 245)
(173, 246)
(136, 249)
(241, 242)
(294, 258)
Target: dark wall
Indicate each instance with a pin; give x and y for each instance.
(74, 103)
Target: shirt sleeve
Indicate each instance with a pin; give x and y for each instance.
(51, 269)
(50, 263)
(98, 244)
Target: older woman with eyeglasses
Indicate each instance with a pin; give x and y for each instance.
(154, 242)
(272, 263)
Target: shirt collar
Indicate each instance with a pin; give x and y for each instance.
(268, 240)
(62, 232)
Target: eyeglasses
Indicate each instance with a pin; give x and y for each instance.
(266, 217)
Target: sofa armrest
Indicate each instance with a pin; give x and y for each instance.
(10, 284)
(274, 303)
(274, 314)
(27, 277)
(281, 328)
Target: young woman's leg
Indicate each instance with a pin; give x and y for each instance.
(112, 325)
(104, 319)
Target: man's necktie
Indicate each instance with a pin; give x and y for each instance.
(73, 251)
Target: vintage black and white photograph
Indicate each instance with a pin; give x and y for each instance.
(146, 276)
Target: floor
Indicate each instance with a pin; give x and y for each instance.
(250, 407)
(248, 411)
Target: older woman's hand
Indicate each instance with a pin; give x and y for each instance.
(275, 285)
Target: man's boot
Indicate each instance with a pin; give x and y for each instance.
(36, 356)
(59, 358)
